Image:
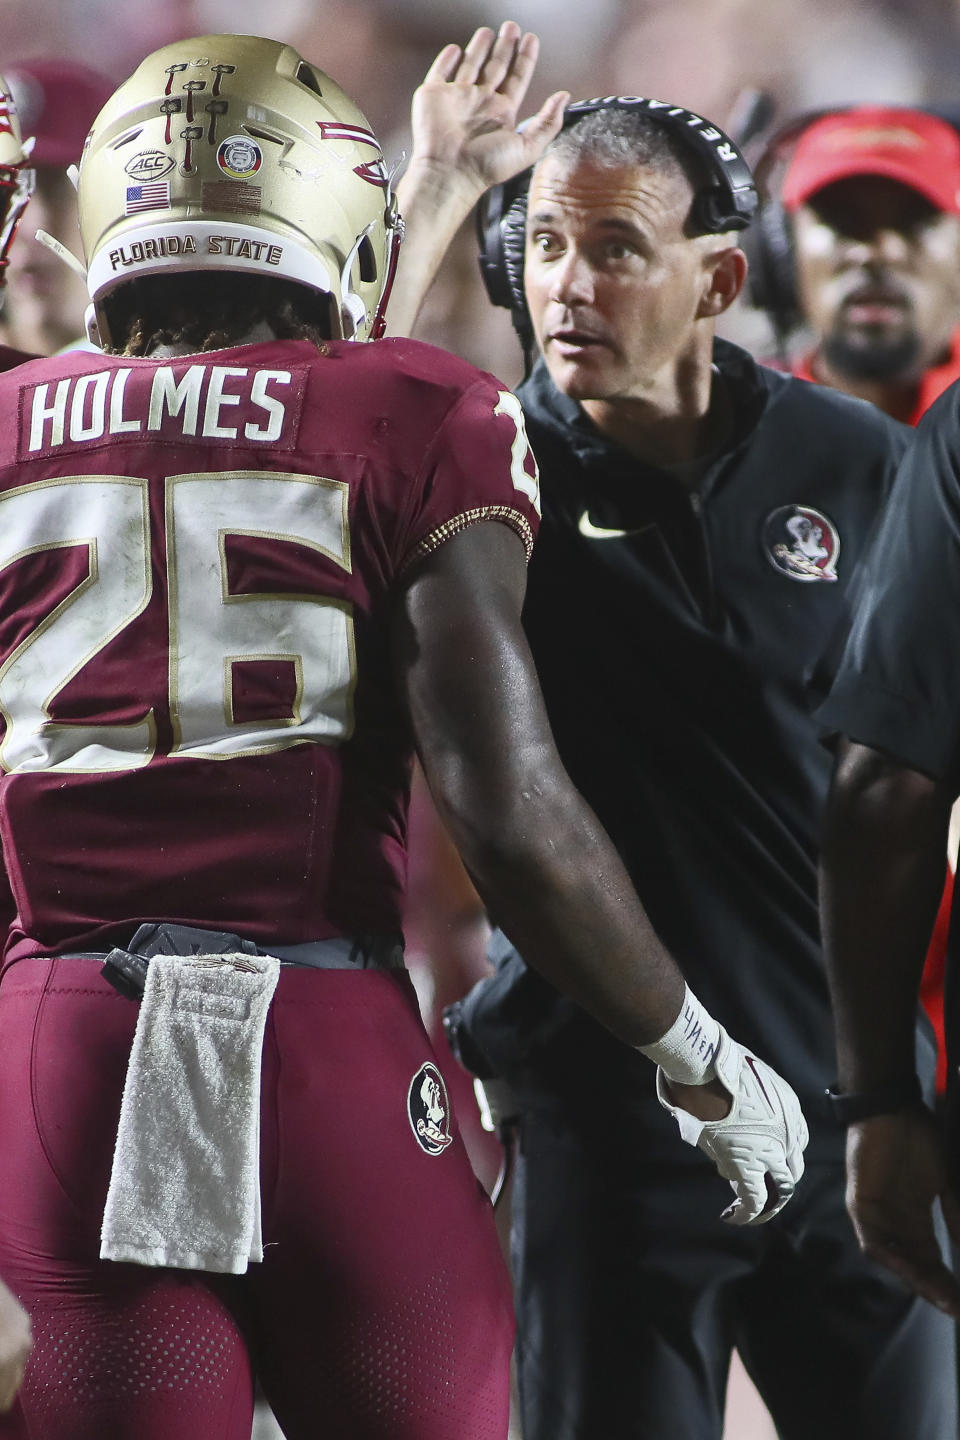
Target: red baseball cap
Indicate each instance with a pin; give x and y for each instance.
(57, 102)
(910, 146)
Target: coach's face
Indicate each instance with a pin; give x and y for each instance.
(614, 286)
(878, 273)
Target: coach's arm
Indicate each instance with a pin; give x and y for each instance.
(465, 139)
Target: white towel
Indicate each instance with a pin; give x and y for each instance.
(185, 1185)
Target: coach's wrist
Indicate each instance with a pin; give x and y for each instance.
(849, 1107)
(430, 189)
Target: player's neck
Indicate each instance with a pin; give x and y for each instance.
(256, 335)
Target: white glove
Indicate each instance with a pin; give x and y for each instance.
(759, 1146)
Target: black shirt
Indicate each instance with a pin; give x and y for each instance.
(898, 686)
(678, 636)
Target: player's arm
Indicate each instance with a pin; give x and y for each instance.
(540, 859)
(15, 1345)
(465, 139)
(881, 878)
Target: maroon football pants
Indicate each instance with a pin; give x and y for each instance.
(381, 1310)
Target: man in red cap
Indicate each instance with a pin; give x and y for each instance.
(873, 199)
(57, 101)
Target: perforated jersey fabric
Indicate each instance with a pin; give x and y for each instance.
(164, 1352)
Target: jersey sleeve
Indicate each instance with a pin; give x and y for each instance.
(479, 466)
(897, 687)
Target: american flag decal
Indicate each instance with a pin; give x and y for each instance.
(6, 112)
(337, 130)
(153, 196)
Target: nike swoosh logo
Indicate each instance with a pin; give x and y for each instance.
(756, 1075)
(598, 532)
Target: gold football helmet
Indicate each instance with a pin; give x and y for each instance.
(16, 179)
(229, 152)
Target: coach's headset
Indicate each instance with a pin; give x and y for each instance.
(772, 276)
(727, 202)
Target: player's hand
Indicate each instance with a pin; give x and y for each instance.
(465, 114)
(758, 1145)
(15, 1345)
(895, 1172)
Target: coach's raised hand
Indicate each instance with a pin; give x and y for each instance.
(466, 137)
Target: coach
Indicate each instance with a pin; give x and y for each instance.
(703, 519)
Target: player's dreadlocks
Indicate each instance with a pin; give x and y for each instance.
(212, 310)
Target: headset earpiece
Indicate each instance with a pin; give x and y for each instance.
(501, 220)
(771, 278)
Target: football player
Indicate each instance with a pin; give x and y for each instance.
(245, 569)
(57, 100)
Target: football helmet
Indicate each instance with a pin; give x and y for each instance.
(230, 152)
(16, 178)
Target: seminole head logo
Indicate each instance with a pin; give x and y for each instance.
(802, 543)
(428, 1107)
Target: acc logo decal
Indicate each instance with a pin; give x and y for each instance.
(149, 165)
(239, 157)
(802, 543)
(428, 1108)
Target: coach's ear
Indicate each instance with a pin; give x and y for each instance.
(724, 276)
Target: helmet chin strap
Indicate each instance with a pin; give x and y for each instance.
(92, 326)
(352, 306)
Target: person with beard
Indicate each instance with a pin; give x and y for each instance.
(873, 200)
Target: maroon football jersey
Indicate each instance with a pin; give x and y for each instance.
(10, 357)
(199, 718)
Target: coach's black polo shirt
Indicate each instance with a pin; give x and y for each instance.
(679, 634)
